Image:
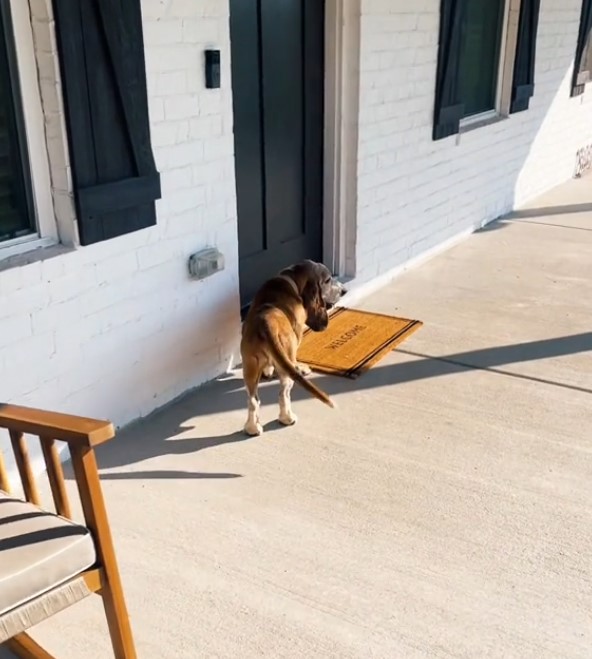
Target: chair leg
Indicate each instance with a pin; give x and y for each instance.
(95, 514)
(24, 647)
(117, 618)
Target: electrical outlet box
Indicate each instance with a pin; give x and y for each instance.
(205, 263)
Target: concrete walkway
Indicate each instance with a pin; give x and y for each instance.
(445, 510)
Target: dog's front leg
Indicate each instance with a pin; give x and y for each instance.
(286, 417)
(252, 374)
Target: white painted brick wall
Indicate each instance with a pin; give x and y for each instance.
(415, 193)
(117, 329)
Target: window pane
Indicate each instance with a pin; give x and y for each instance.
(15, 215)
(480, 54)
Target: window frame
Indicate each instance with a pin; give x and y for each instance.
(507, 54)
(582, 78)
(448, 119)
(18, 32)
(16, 119)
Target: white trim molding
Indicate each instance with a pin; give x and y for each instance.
(342, 88)
(34, 122)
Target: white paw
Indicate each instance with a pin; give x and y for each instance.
(253, 429)
(288, 419)
(303, 369)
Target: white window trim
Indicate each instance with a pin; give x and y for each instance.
(24, 244)
(34, 122)
(480, 118)
(505, 71)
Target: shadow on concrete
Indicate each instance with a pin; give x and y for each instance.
(523, 217)
(165, 474)
(509, 221)
(174, 431)
(545, 211)
(166, 432)
(161, 434)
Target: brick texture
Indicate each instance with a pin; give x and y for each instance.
(117, 329)
(415, 193)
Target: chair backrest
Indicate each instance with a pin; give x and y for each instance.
(81, 434)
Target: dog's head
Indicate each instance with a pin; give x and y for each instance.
(331, 289)
(320, 291)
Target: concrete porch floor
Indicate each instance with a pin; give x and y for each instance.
(443, 511)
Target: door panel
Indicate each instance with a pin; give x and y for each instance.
(277, 71)
(246, 78)
(282, 54)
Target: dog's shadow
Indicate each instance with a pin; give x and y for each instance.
(180, 429)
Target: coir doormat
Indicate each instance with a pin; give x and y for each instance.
(354, 341)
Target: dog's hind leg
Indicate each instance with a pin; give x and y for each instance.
(286, 417)
(252, 374)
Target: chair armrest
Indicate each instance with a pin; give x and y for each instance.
(74, 430)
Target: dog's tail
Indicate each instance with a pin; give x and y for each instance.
(286, 365)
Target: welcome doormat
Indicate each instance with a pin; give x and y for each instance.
(354, 341)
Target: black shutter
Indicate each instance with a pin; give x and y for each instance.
(448, 110)
(583, 60)
(523, 80)
(101, 50)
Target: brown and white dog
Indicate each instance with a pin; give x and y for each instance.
(297, 297)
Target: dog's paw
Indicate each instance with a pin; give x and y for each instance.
(288, 419)
(303, 369)
(268, 371)
(253, 429)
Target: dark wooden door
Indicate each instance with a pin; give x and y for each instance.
(277, 82)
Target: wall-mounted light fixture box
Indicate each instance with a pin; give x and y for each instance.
(212, 61)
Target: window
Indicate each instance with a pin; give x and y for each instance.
(114, 180)
(479, 62)
(486, 61)
(583, 59)
(16, 207)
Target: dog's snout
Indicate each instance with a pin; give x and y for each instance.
(343, 291)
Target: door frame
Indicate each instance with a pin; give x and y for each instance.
(341, 121)
(340, 136)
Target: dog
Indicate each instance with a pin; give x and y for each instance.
(299, 296)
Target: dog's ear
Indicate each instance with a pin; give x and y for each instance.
(312, 299)
(312, 295)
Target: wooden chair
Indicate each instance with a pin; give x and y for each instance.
(48, 561)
